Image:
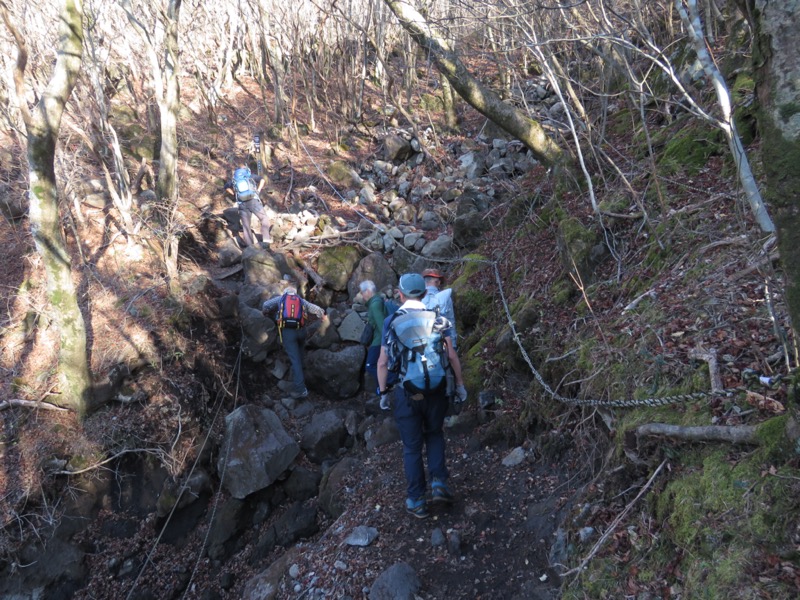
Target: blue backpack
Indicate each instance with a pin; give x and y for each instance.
(417, 351)
(243, 185)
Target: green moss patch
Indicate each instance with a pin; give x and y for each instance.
(688, 150)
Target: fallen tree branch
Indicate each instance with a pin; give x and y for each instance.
(319, 280)
(29, 404)
(742, 434)
(632, 216)
(735, 241)
(710, 356)
(635, 302)
(616, 522)
(773, 256)
(155, 452)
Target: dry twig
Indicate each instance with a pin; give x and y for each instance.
(616, 522)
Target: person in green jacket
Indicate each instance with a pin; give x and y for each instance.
(376, 313)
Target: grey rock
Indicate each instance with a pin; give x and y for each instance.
(325, 435)
(515, 457)
(336, 374)
(260, 450)
(351, 327)
(441, 247)
(361, 536)
(395, 148)
(398, 582)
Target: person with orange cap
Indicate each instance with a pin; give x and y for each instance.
(439, 300)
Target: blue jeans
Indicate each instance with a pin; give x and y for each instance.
(294, 341)
(421, 424)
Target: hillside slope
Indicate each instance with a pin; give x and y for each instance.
(651, 304)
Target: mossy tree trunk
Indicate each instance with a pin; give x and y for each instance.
(777, 62)
(777, 72)
(481, 98)
(449, 103)
(42, 125)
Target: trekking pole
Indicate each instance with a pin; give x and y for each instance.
(257, 144)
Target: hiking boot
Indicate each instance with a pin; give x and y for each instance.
(440, 493)
(301, 394)
(417, 508)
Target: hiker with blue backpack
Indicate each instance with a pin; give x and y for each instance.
(245, 188)
(417, 345)
(290, 311)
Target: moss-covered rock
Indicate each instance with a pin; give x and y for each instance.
(341, 173)
(336, 265)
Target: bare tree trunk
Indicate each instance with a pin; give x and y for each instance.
(169, 106)
(42, 127)
(727, 124)
(167, 92)
(508, 117)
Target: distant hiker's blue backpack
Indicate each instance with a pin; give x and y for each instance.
(243, 185)
(417, 350)
(391, 306)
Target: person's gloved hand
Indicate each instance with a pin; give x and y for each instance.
(461, 393)
(386, 400)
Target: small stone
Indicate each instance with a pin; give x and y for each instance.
(362, 536)
(437, 537)
(585, 534)
(515, 457)
(454, 543)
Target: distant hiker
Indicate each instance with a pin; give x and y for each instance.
(245, 187)
(438, 299)
(290, 311)
(417, 345)
(376, 315)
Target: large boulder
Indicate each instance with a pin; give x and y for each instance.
(396, 148)
(259, 328)
(260, 267)
(260, 450)
(441, 247)
(343, 174)
(351, 327)
(326, 435)
(336, 374)
(321, 334)
(336, 264)
(374, 267)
